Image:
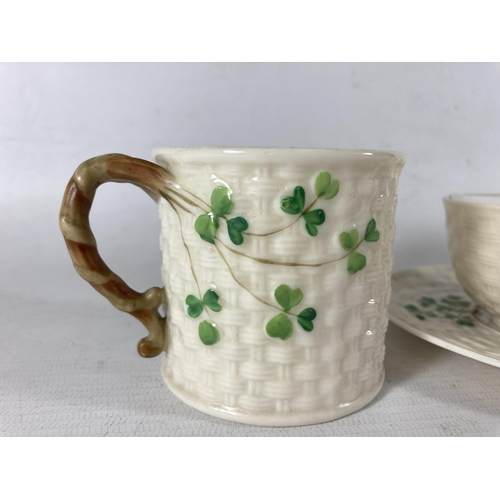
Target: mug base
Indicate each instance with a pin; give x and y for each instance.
(271, 419)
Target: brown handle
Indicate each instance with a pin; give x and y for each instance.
(82, 247)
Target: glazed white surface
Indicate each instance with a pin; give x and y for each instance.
(312, 376)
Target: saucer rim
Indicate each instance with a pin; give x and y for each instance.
(431, 338)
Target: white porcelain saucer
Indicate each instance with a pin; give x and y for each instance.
(429, 302)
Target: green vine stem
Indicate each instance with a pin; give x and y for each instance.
(290, 264)
(175, 202)
(172, 203)
(189, 255)
(187, 200)
(276, 327)
(245, 288)
(285, 227)
(267, 261)
(325, 188)
(207, 225)
(246, 233)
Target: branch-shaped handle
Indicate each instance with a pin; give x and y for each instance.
(82, 247)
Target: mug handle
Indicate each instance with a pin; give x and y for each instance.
(82, 247)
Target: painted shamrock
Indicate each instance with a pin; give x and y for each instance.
(280, 326)
(207, 331)
(325, 189)
(206, 225)
(235, 229)
(449, 307)
(195, 305)
(350, 242)
(221, 206)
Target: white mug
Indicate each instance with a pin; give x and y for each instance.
(276, 265)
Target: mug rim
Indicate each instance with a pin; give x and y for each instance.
(268, 151)
(452, 199)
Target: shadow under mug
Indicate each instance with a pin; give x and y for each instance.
(473, 225)
(276, 265)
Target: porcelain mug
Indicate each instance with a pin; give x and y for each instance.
(276, 265)
(473, 224)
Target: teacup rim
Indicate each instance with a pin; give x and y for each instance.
(451, 198)
(265, 150)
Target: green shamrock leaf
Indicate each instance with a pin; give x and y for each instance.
(314, 218)
(349, 240)
(208, 333)
(355, 262)
(427, 301)
(371, 232)
(325, 188)
(280, 326)
(411, 308)
(221, 201)
(305, 319)
(294, 204)
(206, 226)
(288, 298)
(235, 227)
(211, 299)
(465, 321)
(311, 229)
(317, 217)
(195, 306)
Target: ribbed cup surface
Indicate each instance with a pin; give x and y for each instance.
(474, 244)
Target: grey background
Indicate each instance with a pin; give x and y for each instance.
(57, 332)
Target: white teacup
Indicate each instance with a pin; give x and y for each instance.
(473, 223)
(276, 264)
